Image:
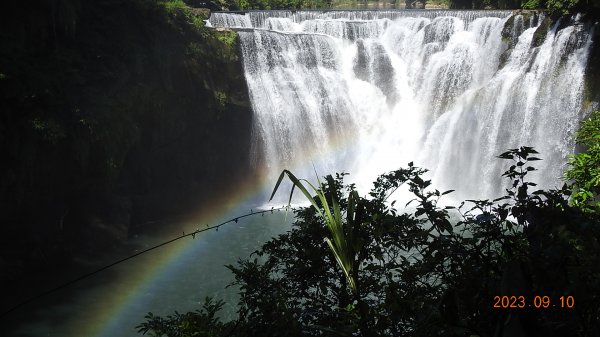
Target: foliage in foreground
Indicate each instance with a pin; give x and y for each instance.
(584, 167)
(429, 272)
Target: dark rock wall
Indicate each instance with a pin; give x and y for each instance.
(112, 114)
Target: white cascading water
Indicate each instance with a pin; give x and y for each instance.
(366, 92)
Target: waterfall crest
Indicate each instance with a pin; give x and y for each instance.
(368, 91)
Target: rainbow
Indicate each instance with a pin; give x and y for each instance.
(104, 313)
(116, 308)
(108, 311)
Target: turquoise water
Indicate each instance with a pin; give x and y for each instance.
(176, 277)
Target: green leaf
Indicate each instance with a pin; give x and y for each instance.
(506, 155)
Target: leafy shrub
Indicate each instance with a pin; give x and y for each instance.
(200, 323)
(429, 272)
(562, 7)
(179, 11)
(584, 167)
(531, 4)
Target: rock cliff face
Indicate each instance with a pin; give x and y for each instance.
(593, 71)
(113, 115)
(587, 22)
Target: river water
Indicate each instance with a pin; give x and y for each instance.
(176, 277)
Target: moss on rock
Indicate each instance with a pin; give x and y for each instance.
(540, 33)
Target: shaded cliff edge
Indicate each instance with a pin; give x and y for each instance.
(113, 114)
(592, 93)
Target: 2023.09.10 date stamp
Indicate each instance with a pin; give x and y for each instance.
(537, 302)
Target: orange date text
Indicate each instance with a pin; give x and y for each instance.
(537, 302)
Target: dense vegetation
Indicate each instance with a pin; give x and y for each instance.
(584, 167)
(112, 113)
(359, 266)
(558, 7)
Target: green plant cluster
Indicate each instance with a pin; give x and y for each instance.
(358, 266)
(564, 7)
(555, 7)
(280, 4)
(178, 10)
(229, 38)
(484, 4)
(584, 167)
(200, 323)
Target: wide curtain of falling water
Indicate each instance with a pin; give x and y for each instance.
(368, 91)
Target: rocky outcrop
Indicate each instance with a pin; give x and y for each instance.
(514, 27)
(592, 92)
(540, 33)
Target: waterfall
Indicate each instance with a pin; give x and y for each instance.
(366, 92)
